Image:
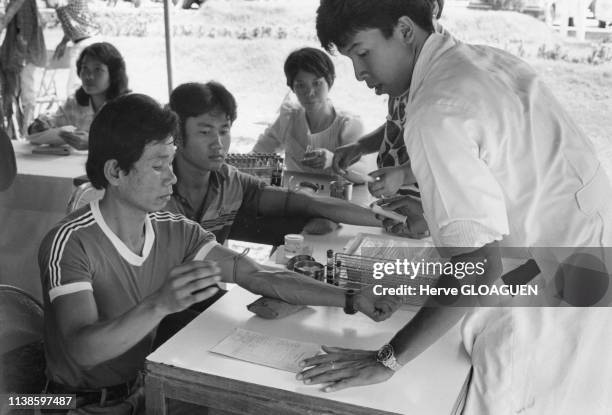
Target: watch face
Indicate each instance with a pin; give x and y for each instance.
(385, 353)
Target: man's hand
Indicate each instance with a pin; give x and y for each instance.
(377, 307)
(187, 284)
(60, 50)
(415, 226)
(389, 180)
(344, 156)
(77, 139)
(343, 368)
(319, 158)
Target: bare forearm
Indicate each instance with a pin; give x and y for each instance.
(434, 320)
(290, 287)
(371, 142)
(275, 201)
(339, 210)
(362, 167)
(103, 341)
(425, 328)
(293, 289)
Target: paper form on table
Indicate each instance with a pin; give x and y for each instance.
(276, 352)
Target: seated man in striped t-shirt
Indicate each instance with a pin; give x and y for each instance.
(111, 271)
(214, 194)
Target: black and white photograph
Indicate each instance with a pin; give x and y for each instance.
(298, 207)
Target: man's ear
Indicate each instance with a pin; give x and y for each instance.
(435, 10)
(112, 172)
(406, 29)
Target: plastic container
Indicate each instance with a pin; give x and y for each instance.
(293, 245)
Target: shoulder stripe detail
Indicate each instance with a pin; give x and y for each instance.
(73, 287)
(205, 250)
(221, 221)
(170, 217)
(59, 243)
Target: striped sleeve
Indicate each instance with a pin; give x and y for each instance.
(196, 241)
(63, 261)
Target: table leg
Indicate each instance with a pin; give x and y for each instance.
(155, 398)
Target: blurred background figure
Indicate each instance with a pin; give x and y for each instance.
(22, 51)
(8, 168)
(79, 28)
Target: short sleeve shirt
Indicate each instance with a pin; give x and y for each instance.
(72, 113)
(495, 154)
(229, 190)
(83, 253)
(291, 133)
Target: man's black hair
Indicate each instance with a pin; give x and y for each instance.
(122, 129)
(339, 20)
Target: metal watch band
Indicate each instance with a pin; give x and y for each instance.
(386, 356)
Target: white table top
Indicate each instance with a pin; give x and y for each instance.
(430, 384)
(49, 165)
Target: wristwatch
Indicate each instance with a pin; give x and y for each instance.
(386, 356)
(349, 301)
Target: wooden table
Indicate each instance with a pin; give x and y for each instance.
(184, 369)
(30, 207)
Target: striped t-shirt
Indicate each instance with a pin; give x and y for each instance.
(83, 253)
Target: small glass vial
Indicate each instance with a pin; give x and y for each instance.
(276, 179)
(329, 268)
(337, 272)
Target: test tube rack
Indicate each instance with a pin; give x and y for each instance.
(257, 164)
(356, 271)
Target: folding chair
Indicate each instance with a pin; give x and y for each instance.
(22, 359)
(47, 96)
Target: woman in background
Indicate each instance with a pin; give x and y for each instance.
(101, 69)
(310, 131)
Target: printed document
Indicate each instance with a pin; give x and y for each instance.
(266, 350)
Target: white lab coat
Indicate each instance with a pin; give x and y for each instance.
(497, 158)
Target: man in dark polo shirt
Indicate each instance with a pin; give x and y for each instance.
(214, 193)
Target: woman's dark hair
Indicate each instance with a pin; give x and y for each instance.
(339, 20)
(109, 56)
(193, 99)
(122, 129)
(310, 60)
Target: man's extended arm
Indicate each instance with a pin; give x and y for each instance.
(278, 201)
(361, 367)
(349, 154)
(292, 287)
(434, 320)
